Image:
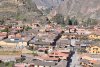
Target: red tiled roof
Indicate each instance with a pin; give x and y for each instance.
(56, 53)
(46, 57)
(19, 65)
(93, 61)
(3, 33)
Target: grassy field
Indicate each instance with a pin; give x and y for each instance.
(6, 64)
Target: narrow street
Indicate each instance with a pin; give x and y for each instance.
(69, 60)
(73, 60)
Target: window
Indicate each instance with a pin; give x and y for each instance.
(95, 48)
(65, 46)
(57, 56)
(93, 51)
(50, 56)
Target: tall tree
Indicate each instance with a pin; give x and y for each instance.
(59, 19)
(72, 21)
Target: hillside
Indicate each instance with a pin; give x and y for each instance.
(19, 9)
(29, 9)
(80, 8)
(45, 4)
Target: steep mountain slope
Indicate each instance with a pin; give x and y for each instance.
(28, 9)
(80, 8)
(19, 9)
(44, 4)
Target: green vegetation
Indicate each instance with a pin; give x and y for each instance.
(96, 39)
(46, 51)
(72, 21)
(84, 38)
(20, 60)
(2, 64)
(2, 22)
(5, 30)
(7, 64)
(28, 28)
(19, 17)
(81, 50)
(89, 21)
(63, 25)
(59, 19)
(35, 53)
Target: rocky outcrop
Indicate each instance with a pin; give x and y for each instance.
(80, 8)
(45, 4)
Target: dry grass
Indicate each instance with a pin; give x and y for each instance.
(10, 52)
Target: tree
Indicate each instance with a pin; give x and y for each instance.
(89, 21)
(84, 38)
(5, 30)
(93, 21)
(28, 28)
(46, 51)
(59, 19)
(72, 21)
(35, 53)
(2, 21)
(2, 63)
